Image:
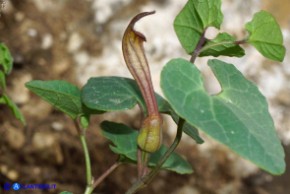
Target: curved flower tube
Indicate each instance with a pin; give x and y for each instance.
(150, 136)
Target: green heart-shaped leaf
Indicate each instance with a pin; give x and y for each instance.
(266, 36)
(194, 18)
(237, 117)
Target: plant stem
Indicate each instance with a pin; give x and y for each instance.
(89, 188)
(105, 174)
(81, 132)
(148, 178)
(198, 47)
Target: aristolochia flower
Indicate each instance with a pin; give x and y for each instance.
(150, 135)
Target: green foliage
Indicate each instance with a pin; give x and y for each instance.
(222, 44)
(2, 81)
(6, 65)
(111, 94)
(191, 131)
(65, 192)
(61, 94)
(266, 36)
(6, 60)
(4, 99)
(237, 117)
(118, 93)
(194, 18)
(125, 144)
(64, 96)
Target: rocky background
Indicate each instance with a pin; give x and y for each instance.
(74, 40)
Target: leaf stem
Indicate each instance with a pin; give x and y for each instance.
(81, 132)
(148, 178)
(139, 163)
(106, 173)
(198, 47)
(88, 162)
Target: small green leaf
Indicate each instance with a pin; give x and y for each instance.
(6, 60)
(223, 44)
(266, 36)
(123, 138)
(174, 163)
(237, 117)
(125, 144)
(13, 107)
(111, 94)
(2, 82)
(194, 18)
(61, 94)
(65, 192)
